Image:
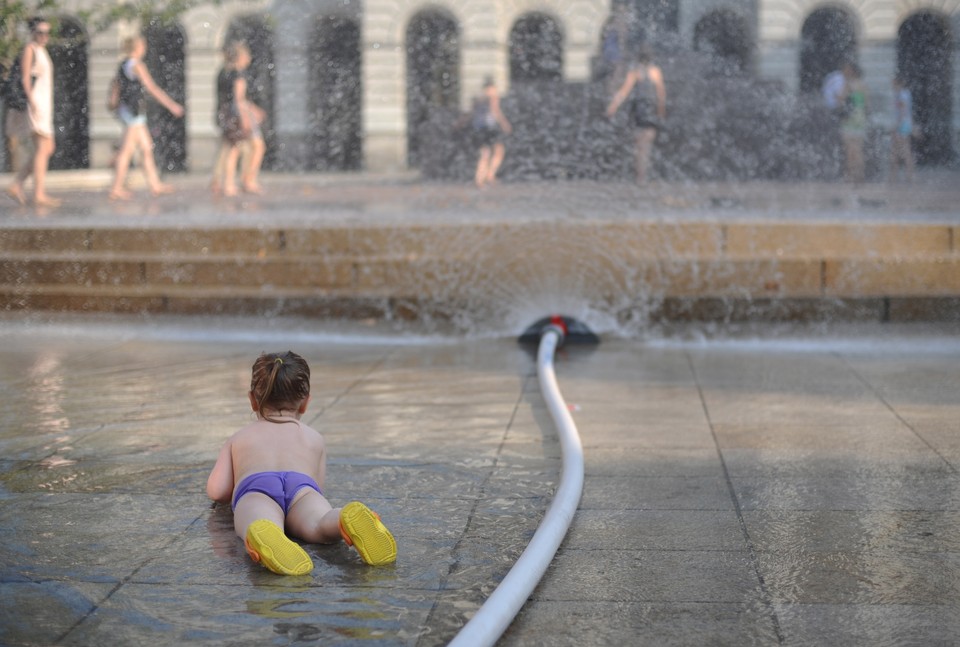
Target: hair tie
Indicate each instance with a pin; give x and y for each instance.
(279, 360)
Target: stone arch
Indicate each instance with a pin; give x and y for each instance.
(828, 37)
(925, 44)
(725, 36)
(536, 48)
(432, 44)
(653, 17)
(335, 94)
(166, 60)
(71, 104)
(256, 30)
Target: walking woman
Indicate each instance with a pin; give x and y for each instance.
(648, 106)
(133, 78)
(37, 78)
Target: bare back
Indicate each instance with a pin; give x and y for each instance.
(265, 446)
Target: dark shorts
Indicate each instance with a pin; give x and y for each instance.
(282, 487)
(486, 136)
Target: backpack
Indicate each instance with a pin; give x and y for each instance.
(14, 95)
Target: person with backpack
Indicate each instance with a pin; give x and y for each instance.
(133, 80)
(36, 119)
(644, 87)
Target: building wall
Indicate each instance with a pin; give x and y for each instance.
(484, 34)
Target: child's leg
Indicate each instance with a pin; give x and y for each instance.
(253, 506)
(252, 165)
(313, 519)
(259, 521)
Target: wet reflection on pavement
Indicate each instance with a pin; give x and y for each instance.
(737, 494)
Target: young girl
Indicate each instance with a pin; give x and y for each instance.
(273, 470)
(134, 78)
(239, 120)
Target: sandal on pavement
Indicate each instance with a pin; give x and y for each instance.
(361, 528)
(267, 545)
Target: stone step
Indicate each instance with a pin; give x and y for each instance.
(644, 238)
(788, 268)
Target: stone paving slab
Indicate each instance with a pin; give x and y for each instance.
(771, 490)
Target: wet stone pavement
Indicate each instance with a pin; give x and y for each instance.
(756, 492)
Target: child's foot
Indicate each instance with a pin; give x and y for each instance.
(252, 187)
(361, 528)
(120, 194)
(266, 544)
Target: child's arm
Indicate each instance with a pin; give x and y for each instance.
(220, 481)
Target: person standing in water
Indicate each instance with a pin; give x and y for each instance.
(648, 106)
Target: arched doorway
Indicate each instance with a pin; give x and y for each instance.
(725, 37)
(536, 49)
(71, 116)
(256, 31)
(433, 74)
(335, 95)
(656, 16)
(924, 51)
(828, 38)
(166, 48)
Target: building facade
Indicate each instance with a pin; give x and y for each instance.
(346, 82)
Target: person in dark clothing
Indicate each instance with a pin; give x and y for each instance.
(644, 87)
(489, 125)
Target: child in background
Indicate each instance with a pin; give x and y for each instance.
(273, 471)
(900, 145)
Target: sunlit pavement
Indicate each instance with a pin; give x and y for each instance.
(788, 488)
(792, 489)
(395, 198)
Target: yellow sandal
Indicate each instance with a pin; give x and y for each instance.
(267, 545)
(361, 528)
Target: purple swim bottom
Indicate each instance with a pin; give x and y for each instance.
(279, 486)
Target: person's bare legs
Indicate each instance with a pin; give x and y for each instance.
(219, 165)
(900, 152)
(644, 140)
(483, 166)
(230, 171)
(853, 150)
(258, 520)
(15, 190)
(495, 161)
(251, 166)
(149, 165)
(45, 146)
(312, 518)
(253, 506)
(122, 165)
